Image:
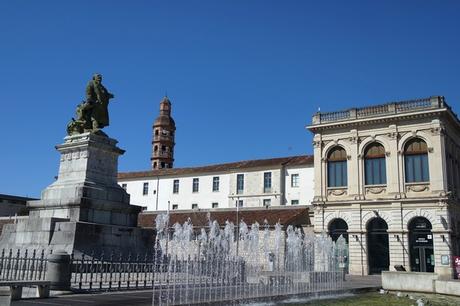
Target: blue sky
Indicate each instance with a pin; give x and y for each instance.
(244, 77)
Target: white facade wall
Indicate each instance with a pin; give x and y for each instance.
(305, 191)
(204, 197)
(160, 189)
(253, 194)
(161, 192)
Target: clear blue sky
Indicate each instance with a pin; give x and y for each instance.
(244, 76)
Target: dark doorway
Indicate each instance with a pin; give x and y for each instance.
(421, 245)
(378, 249)
(338, 227)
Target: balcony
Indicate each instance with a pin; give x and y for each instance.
(163, 138)
(389, 109)
(164, 154)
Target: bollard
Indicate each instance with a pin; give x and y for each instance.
(5, 295)
(58, 271)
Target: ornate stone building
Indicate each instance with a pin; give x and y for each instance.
(387, 177)
(164, 128)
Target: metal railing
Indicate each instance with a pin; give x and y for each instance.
(381, 110)
(112, 271)
(22, 265)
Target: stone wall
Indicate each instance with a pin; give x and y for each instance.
(419, 282)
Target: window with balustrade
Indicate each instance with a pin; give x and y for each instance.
(196, 185)
(416, 161)
(267, 182)
(337, 168)
(145, 189)
(176, 186)
(295, 180)
(239, 183)
(374, 165)
(215, 184)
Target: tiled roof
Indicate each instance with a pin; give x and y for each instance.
(15, 198)
(200, 218)
(286, 161)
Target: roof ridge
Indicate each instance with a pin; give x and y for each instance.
(250, 163)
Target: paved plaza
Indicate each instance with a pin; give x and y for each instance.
(144, 297)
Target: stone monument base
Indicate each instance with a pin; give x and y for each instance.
(55, 234)
(85, 210)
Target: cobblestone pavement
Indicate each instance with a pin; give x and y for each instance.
(144, 297)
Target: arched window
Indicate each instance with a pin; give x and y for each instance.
(337, 168)
(416, 161)
(374, 165)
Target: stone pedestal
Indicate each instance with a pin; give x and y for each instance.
(84, 210)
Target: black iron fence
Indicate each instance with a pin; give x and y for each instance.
(112, 271)
(22, 265)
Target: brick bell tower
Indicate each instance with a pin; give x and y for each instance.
(164, 129)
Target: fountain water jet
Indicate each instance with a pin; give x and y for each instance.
(216, 265)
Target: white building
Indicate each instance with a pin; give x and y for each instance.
(388, 179)
(282, 181)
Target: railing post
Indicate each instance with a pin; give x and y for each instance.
(58, 270)
(353, 113)
(436, 102)
(5, 295)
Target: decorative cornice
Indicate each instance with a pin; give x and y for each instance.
(372, 121)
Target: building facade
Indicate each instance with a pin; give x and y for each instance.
(11, 205)
(282, 181)
(387, 177)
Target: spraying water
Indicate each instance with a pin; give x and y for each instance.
(227, 263)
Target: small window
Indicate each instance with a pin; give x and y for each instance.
(194, 206)
(156, 132)
(124, 186)
(295, 180)
(154, 165)
(196, 185)
(267, 202)
(155, 148)
(294, 202)
(215, 205)
(175, 206)
(162, 165)
(145, 189)
(267, 182)
(176, 186)
(215, 184)
(240, 203)
(239, 183)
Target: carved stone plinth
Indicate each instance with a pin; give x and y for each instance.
(86, 188)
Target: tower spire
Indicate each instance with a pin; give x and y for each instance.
(164, 129)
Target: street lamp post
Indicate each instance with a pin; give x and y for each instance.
(237, 226)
